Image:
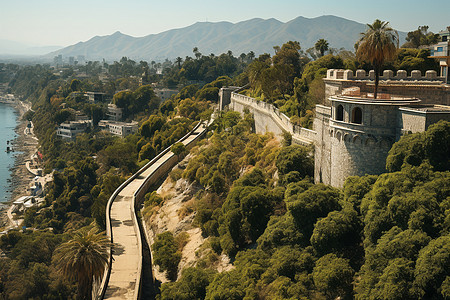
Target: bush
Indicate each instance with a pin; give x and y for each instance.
(295, 158)
(166, 254)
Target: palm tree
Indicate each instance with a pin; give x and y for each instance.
(321, 46)
(196, 52)
(250, 55)
(179, 60)
(377, 45)
(83, 259)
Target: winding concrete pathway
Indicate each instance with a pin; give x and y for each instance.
(125, 269)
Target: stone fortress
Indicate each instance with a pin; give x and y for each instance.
(355, 132)
(352, 132)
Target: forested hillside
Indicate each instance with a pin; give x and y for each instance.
(380, 237)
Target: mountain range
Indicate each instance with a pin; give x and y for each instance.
(257, 35)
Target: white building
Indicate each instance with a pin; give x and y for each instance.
(24, 203)
(114, 113)
(121, 129)
(69, 130)
(165, 94)
(441, 51)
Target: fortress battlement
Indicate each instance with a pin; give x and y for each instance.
(356, 133)
(430, 88)
(416, 76)
(353, 132)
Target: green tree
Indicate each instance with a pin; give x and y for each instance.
(143, 98)
(178, 149)
(75, 85)
(414, 149)
(96, 113)
(196, 52)
(83, 259)
(415, 59)
(179, 60)
(377, 45)
(288, 261)
(396, 281)
(338, 232)
(289, 55)
(280, 231)
(295, 158)
(191, 285)
(226, 285)
(166, 254)
(123, 100)
(333, 276)
(321, 46)
(420, 37)
(147, 152)
(62, 116)
(312, 204)
(433, 268)
(153, 123)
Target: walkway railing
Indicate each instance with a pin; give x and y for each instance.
(164, 166)
(303, 135)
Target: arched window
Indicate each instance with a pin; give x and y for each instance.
(340, 113)
(357, 115)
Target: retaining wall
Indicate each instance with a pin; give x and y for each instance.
(189, 140)
(268, 118)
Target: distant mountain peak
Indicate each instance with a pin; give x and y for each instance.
(257, 35)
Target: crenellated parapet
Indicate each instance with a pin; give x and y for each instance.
(428, 86)
(401, 75)
(352, 134)
(355, 133)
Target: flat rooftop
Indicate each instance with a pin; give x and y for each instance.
(429, 108)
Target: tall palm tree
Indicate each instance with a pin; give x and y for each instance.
(196, 52)
(378, 44)
(83, 259)
(321, 46)
(179, 60)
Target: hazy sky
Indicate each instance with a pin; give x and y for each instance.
(64, 22)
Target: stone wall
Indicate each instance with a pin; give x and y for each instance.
(322, 154)
(268, 118)
(342, 147)
(352, 155)
(413, 120)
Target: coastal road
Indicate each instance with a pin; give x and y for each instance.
(127, 257)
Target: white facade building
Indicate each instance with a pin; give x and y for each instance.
(114, 113)
(165, 94)
(69, 130)
(121, 129)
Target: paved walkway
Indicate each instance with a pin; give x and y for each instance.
(126, 255)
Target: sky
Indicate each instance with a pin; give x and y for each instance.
(64, 22)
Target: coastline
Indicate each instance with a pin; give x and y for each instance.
(26, 145)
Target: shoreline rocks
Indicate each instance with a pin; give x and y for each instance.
(25, 146)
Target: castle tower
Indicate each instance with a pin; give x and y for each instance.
(356, 136)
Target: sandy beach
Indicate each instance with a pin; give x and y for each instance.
(26, 145)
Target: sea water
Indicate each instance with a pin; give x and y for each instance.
(8, 122)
